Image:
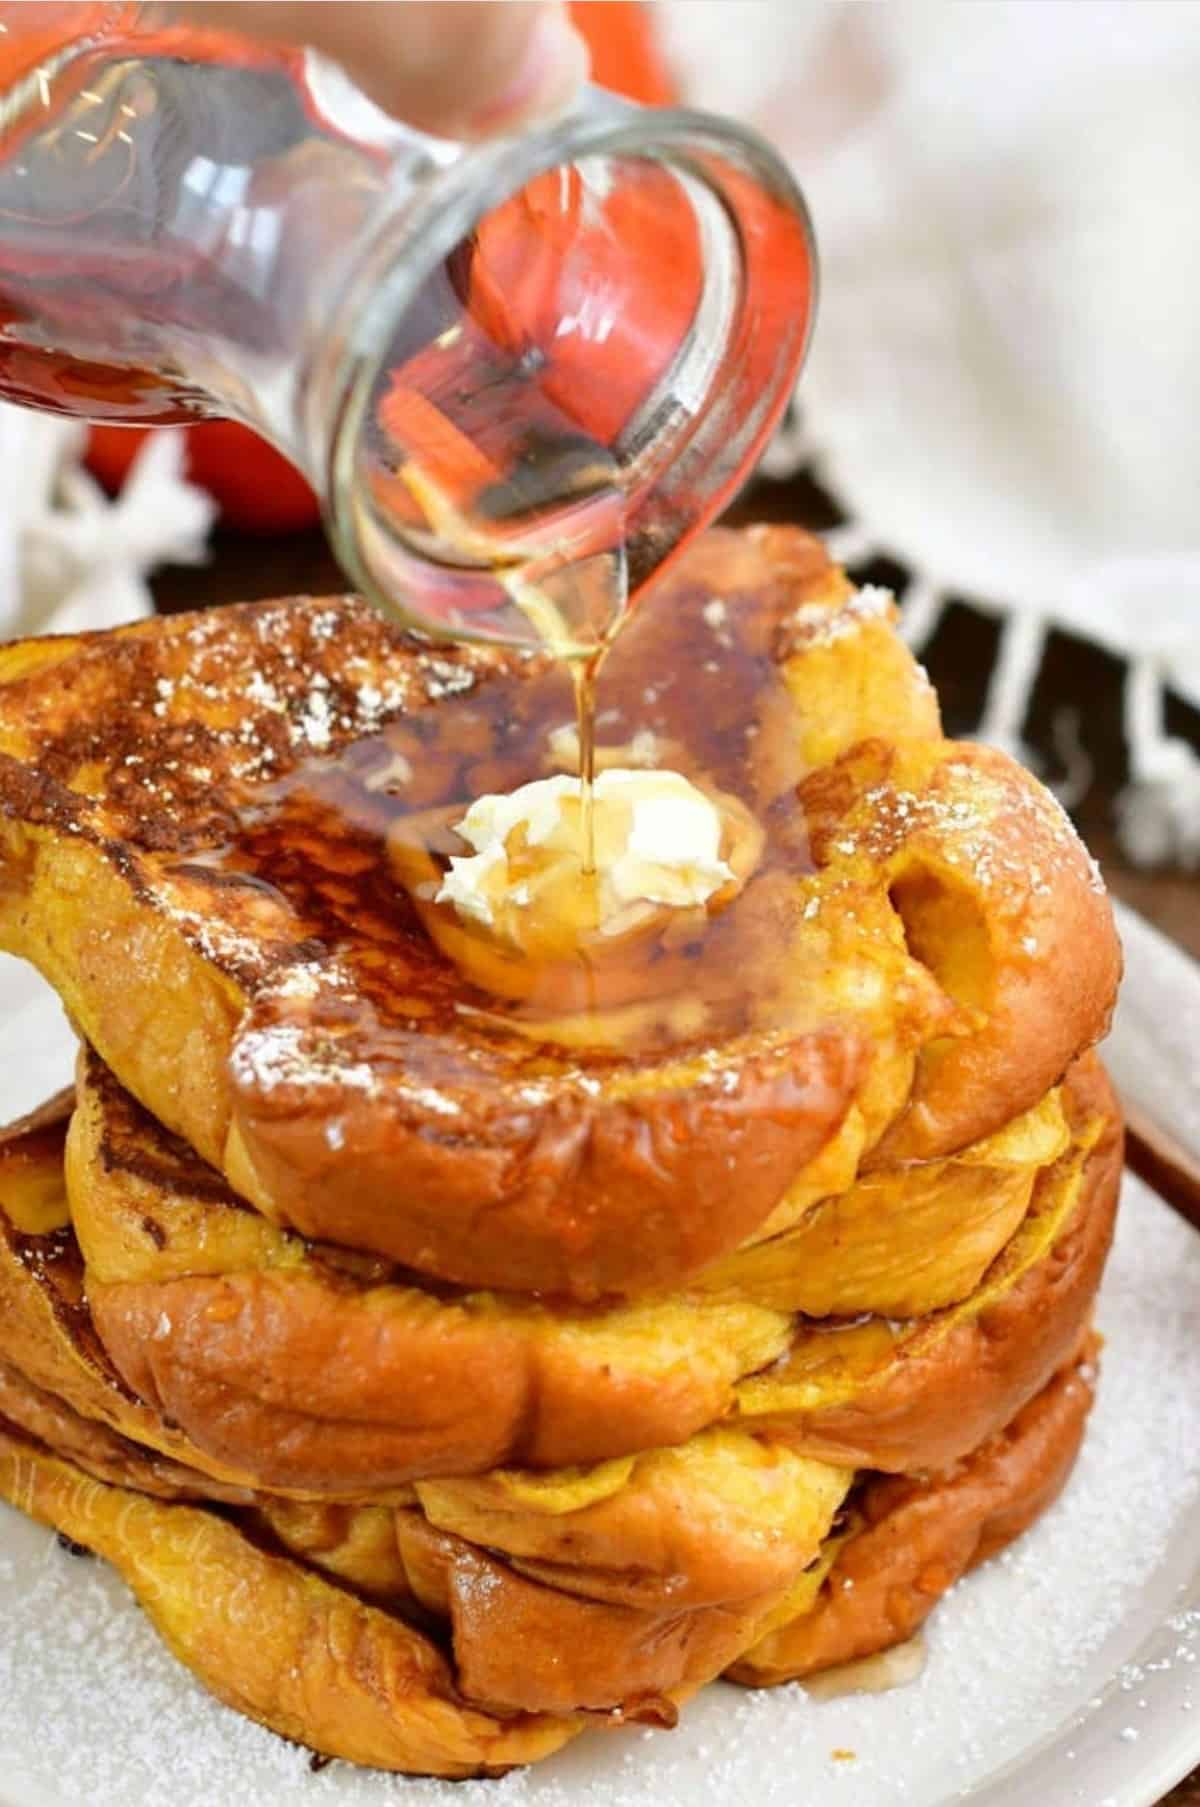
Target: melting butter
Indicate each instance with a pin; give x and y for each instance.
(658, 841)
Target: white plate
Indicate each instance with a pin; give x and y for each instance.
(1064, 1674)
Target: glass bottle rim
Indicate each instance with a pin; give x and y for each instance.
(459, 191)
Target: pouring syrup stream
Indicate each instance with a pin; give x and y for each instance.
(557, 607)
(583, 680)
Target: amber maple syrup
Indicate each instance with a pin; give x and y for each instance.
(358, 836)
(81, 126)
(584, 673)
(580, 635)
(510, 421)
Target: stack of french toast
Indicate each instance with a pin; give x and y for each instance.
(465, 1317)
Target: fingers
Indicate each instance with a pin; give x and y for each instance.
(460, 68)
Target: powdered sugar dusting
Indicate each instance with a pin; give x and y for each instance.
(93, 1709)
(314, 728)
(274, 1049)
(222, 701)
(1036, 842)
(430, 1099)
(820, 624)
(445, 677)
(217, 940)
(289, 1054)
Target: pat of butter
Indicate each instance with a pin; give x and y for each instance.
(658, 841)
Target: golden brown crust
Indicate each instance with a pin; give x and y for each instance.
(918, 1535)
(724, 1517)
(575, 1198)
(278, 1007)
(316, 1380)
(273, 1640)
(517, 1642)
(361, 1390)
(998, 898)
(101, 1452)
(325, 1378)
(1052, 963)
(963, 1375)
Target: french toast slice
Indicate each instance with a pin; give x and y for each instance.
(897, 1243)
(349, 1373)
(901, 1397)
(273, 1640)
(321, 1662)
(51, 1351)
(324, 1374)
(198, 822)
(913, 1536)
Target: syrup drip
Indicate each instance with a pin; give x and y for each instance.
(583, 683)
(584, 673)
(577, 606)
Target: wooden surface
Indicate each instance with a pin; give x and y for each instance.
(1078, 699)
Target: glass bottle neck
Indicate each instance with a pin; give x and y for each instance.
(573, 346)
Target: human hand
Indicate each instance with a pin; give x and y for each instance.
(459, 68)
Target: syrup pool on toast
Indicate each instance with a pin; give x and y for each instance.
(361, 842)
